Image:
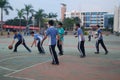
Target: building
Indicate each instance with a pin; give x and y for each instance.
(73, 14)
(63, 11)
(116, 28)
(89, 19)
(106, 20)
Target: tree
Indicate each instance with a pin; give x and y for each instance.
(20, 15)
(77, 20)
(39, 16)
(4, 6)
(15, 22)
(68, 23)
(52, 15)
(110, 22)
(28, 10)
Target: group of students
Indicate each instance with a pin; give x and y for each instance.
(81, 40)
(55, 36)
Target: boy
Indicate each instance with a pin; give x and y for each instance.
(61, 38)
(81, 40)
(37, 37)
(20, 41)
(99, 40)
(52, 33)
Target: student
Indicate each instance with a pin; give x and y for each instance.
(61, 38)
(8, 33)
(20, 41)
(38, 37)
(99, 40)
(52, 34)
(81, 41)
(89, 35)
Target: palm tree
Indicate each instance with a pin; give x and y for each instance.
(4, 6)
(39, 16)
(52, 15)
(20, 15)
(28, 10)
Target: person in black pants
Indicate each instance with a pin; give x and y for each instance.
(52, 34)
(81, 41)
(61, 38)
(99, 40)
(38, 37)
(89, 35)
(20, 41)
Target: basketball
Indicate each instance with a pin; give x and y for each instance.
(10, 47)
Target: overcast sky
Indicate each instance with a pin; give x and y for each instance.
(54, 5)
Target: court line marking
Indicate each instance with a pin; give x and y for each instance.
(8, 75)
(19, 77)
(7, 68)
(12, 58)
(17, 56)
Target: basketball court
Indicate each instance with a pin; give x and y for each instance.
(34, 66)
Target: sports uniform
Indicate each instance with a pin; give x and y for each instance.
(20, 41)
(81, 41)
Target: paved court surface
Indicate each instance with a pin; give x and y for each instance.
(34, 66)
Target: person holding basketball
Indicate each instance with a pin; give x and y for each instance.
(20, 41)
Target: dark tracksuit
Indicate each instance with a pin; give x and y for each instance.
(39, 45)
(81, 41)
(60, 47)
(81, 48)
(100, 41)
(52, 33)
(20, 41)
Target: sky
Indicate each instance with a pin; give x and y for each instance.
(55, 5)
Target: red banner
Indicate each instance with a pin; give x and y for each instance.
(19, 27)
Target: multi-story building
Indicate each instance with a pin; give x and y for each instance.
(116, 28)
(92, 18)
(73, 14)
(106, 20)
(63, 11)
(89, 19)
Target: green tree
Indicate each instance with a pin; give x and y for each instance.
(68, 23)
(77, 20)
(39, 16)
(15, 22)
(20, 15)
(28, 10)
(110, 22)
(52, 15)
(4, 6)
